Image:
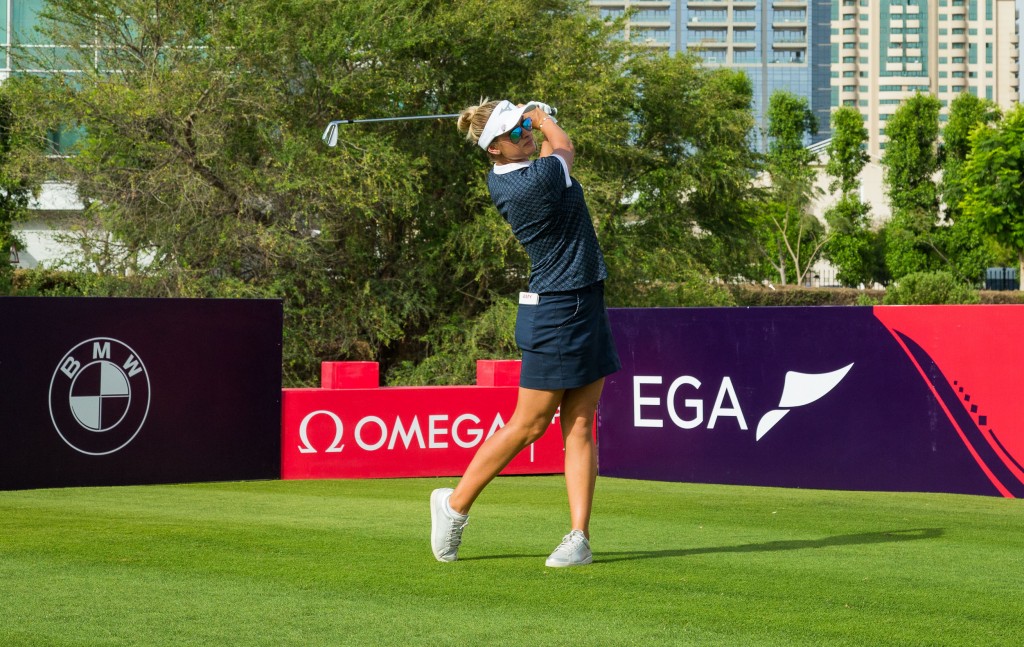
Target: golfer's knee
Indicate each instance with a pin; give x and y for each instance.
(580, 431)
(534, 430)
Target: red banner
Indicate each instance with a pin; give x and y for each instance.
(372, 432)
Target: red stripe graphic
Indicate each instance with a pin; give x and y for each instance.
(976, 348)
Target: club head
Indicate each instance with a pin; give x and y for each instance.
(330, 135)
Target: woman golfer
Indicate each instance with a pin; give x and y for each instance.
(562, 328)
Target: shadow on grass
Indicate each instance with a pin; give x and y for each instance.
(884, 537)
(888, 536)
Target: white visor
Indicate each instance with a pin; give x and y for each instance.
(505, 117)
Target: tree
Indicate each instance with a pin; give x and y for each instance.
(993, 181)
(968, 249)
(201, 157)
(846, 154)
(850, 245)
(15, 190)
(966, 112)
(911, 162)
(684, 184)
(791, 237)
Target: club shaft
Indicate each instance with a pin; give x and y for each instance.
(343, 122)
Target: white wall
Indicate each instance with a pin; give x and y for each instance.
(55, 203)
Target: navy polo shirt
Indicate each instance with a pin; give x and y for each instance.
(550, 219)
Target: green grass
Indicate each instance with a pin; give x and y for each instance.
(348, 563)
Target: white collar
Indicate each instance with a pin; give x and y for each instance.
(501, 169)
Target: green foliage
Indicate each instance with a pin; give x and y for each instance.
(993, 181)
(929, 288)
(15, 189)
(846, 154)
(910, 161)
(968, 249)
(867, 300)
(202, 170)
(853, 246)
(685, 179)
(966, 112)
(55, 283)
(916, 238)
(456, 347)
(909, 246)
(203, 163)
(911, 156)
(790, 236)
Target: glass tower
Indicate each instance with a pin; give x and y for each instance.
(779, 44)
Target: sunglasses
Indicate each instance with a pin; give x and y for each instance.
(517, 133)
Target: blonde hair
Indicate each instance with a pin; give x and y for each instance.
(473, 119)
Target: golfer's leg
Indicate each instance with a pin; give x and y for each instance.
(578, 408)
(534, 410)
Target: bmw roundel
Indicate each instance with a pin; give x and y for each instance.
(99, 396)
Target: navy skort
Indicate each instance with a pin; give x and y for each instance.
(566, 340)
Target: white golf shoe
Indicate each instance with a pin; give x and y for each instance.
(573, 551)
(445, 526)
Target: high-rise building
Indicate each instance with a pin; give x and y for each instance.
(779, 44)
(884, 51)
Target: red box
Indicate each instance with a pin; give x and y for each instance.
(378, 432)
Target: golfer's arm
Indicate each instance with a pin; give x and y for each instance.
(556, 141)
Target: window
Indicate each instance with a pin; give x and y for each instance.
(651, 15)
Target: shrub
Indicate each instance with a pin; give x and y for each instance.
(792, 295)
(925, 288)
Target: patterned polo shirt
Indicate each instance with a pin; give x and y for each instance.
(550, 219)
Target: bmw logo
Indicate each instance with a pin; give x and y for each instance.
(99, 396)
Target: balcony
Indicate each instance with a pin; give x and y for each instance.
(698, 21)
(789, 46)
(708, 43)
(796, 41)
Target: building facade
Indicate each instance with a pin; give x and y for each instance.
(779, 44)
(884, 51)
(18, 19)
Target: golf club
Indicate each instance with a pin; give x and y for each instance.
(330, 136)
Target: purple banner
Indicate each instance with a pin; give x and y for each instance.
(104, 391)
(860, 398)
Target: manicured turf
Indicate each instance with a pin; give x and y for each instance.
(348, 563)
